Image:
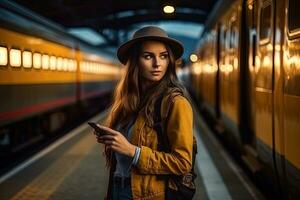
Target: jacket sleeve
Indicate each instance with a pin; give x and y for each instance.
(179, 129)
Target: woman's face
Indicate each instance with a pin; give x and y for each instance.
(153, 60)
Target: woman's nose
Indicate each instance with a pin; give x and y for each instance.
(157, 61)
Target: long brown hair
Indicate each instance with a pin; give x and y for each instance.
(128, 99)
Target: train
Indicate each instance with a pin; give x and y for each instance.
(247, 80)
(48, 78)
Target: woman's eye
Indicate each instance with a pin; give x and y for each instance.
(147, 57)
(164, 56)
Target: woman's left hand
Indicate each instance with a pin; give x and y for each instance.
(116, 141)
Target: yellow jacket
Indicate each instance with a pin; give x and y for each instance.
(147, 180)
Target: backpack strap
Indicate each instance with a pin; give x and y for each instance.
(159, 125)
(163, 143)
(160, 119)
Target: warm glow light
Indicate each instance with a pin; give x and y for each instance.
(197, 68)
(81, 66)
(95, 68)
(27, 59)
(169, 9)
(277, 47)
(37, 60)
(65, 64)
(59, 63)
(15, 57)
(75, 65)
(70, 65)
(270, 47)
(45, 62)
(267, 62)
(53, 63)
(193, 57)
(3, 56)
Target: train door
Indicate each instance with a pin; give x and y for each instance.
(229, 69)
(218, 56)
(264, 93)
(249, 31)
(248, 52)
(222, 64)
(291, 115)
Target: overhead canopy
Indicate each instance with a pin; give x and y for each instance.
(112, 16)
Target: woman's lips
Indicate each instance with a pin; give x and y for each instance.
(155, 72)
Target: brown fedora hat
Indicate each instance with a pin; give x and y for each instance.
(149, 33)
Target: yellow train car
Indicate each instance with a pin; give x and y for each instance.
(48, 78)
(257, 56)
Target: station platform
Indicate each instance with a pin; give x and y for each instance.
(73, 168)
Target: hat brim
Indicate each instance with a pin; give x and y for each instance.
(124, 49)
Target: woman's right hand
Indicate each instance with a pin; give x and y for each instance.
(116, 141)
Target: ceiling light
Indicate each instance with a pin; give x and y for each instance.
(193, 57)
(169, 9)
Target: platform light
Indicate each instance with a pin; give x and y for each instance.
(193, 57)
(169, 9)
(45, 61)
(15, 57)
(3, 56)
(37, 60)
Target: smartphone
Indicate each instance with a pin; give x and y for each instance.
(97, 129)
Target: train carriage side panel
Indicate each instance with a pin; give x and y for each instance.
(229, 68)
(32, 81)
(291, 116)
(97, 76)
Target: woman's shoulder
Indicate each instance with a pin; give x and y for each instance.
(181, 101)
(176, 101)
(176, 98)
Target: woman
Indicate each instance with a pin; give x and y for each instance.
(137, 167)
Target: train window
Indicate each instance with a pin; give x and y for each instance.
(233, 32)
(37, 60)
(232, 43)
(223, 39)
(59, 63)
(70, 65)
(3, 56)
(52, 63)
(15, 57)
(27, 59)
(65, 64)
(265, 23)
(89, 67)
(294, 17)
(45, 61)
(91, 70)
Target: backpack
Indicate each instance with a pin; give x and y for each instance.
(185, 183)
